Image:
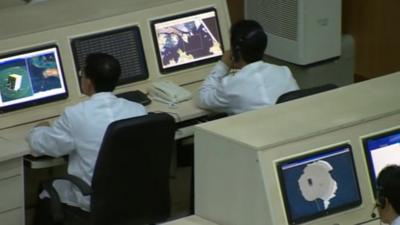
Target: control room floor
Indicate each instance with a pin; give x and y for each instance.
(181, 182)
(180, 193)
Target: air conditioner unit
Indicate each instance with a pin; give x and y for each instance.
(299, 31)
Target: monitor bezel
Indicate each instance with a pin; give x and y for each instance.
(40, 101)
(367, 154)
(165, 71)
(121, 81)
(320, 152)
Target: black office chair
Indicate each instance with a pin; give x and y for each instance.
(130, 184)
(304, 92)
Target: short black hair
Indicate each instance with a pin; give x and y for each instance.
(389, 185)
(103, 70)
(248, 40)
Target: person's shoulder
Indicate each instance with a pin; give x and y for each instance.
(75, 109)
(277, 68)
(79, 106)
(132, 105)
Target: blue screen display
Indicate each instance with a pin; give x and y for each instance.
(319, 184)
(31, 77)
(382, 150)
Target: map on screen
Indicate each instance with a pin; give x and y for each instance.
(188, 39)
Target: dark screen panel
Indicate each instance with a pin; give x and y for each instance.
(124, 44)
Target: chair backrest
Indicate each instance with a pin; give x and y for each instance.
(131, 177)
(304, 92)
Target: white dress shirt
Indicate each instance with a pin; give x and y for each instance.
(78, 132)
(256, 85)
(396, 221)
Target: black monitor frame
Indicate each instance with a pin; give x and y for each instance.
(368, 157)
(167, 70)
(140, 53)
(325, 151)
(38, 101)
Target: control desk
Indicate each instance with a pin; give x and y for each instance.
(186, 115)
(14, 147)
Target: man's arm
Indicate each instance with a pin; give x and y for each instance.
(211, 94)
(55, 140)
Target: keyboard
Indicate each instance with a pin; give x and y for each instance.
(135, 96)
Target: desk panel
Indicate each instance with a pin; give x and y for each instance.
(12, 217)
(190, 220)
(11, 191)
(10, 168)
(11, 197)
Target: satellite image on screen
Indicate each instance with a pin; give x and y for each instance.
(316, 183)
(21, 78)
(14, 81)
(188, 39)
(319, 184)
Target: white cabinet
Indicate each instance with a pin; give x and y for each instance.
(11, 192)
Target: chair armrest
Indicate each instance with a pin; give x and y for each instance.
(55, 203)
(78, 182)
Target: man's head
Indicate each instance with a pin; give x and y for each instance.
(388, 195)
(248, 41)
(100, 74)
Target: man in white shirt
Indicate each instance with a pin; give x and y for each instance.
(388, 195)
(79, 131)
(241, 81)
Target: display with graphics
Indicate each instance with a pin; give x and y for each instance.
(382, 150)
(31, 77)
(187, 40)
(319, 184)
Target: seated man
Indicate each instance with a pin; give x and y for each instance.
(388, 195)
(242, 81)
(79, 131)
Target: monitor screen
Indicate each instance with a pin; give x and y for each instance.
(187, 40)
(123, 44)
(319, 184)
(31, 77)
(381, 150)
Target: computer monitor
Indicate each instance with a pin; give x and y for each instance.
(319, 184)
(124, 44)
(187, 40)
(381, 150)
(31, 77)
